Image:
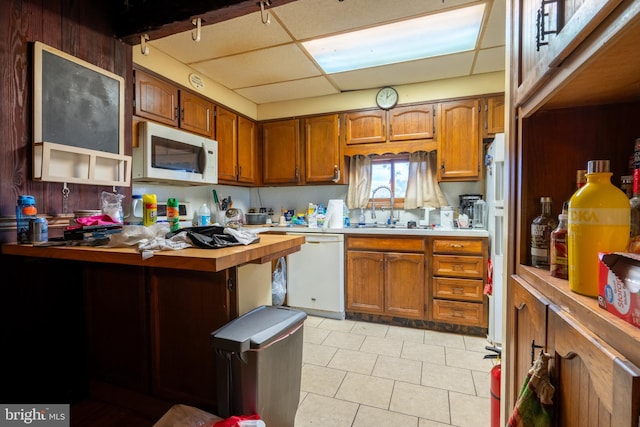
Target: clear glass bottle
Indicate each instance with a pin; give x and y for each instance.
(541, 229)
(599, 221)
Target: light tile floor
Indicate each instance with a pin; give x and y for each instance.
(364, 374)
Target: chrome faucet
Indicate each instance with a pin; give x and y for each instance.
(392, 219)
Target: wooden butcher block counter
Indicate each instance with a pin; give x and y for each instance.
(129, 330)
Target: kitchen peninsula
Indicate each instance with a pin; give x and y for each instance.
(142, 331)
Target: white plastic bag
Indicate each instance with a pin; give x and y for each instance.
(279, 283)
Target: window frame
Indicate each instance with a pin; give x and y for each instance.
(391, 159)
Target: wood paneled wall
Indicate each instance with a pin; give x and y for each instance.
(80, 28)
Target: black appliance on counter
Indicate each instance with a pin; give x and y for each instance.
(466, 205)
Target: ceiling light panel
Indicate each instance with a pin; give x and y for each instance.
(428, 36)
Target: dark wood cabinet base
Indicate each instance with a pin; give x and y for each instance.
(418, 324)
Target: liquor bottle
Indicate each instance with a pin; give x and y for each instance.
(599, 221)
(558, 253)
(541, 228)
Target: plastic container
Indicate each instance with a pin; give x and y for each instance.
(599, 218)
(149, 209)
(25, 212)
(204, 215)
(135, 216)
(173, 214)
(480, 214)
(446, 217)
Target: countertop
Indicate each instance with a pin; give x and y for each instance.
(271, 246)
(399, 231)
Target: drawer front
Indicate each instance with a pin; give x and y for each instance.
(458, 289)
(461, 313)
(458, 266)
(386, 244)
(456, 246)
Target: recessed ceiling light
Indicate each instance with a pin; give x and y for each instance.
(432, 35)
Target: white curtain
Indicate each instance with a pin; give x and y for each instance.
(359, 182)
(423, 190)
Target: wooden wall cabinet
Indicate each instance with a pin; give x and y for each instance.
(595, 384)
(459, 148)
(281, 152)
(160, 101)
(386, 276)
(237, 148)
(324, 162)
(492, 116)
(458, 272)
(572, 103)
(543, 55)
(401, 129)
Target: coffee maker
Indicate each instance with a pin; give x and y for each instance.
(466, 205)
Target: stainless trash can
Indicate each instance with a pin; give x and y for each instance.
(259, 364)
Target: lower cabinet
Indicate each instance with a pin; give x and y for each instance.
(458, 270)
(386, 276)
(594, 383)
(431, 282)
(149, 329)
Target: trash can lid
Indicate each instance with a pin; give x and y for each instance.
(257, 328)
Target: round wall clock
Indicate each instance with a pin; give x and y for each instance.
(387, 98)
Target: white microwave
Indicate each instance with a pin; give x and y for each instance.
(169, 155)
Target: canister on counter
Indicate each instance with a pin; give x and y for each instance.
(38, 230)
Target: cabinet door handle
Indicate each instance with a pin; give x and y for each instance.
(456, 245)
(541, 30)
(336, 173)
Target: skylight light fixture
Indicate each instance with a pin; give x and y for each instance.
(438, 34)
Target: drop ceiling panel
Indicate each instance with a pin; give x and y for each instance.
(489, 60)
(243, 34)
(265, 63)
(311, 18)
(260, 67)
(494, 31)
(297, 89)
(405, 73)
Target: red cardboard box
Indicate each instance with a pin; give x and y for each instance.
(619, 285)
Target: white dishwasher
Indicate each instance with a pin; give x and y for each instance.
(315, 275)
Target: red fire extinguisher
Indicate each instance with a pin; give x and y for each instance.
(495, 385)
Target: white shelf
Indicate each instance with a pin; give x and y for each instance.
(64, 163)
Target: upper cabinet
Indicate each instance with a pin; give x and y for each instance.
(323, 162)
(492, 116)
(281, 152)
(412, 123)
(401, 129)
(162, 102)
(459, 141)
(549, 32)
(365, 127)
(237, 148)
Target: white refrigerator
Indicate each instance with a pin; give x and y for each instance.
(494, 193)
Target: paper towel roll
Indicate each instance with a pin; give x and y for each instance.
(335, 212)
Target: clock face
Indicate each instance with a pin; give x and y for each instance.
(387, 98)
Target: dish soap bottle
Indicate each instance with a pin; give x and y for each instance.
(599, 218)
